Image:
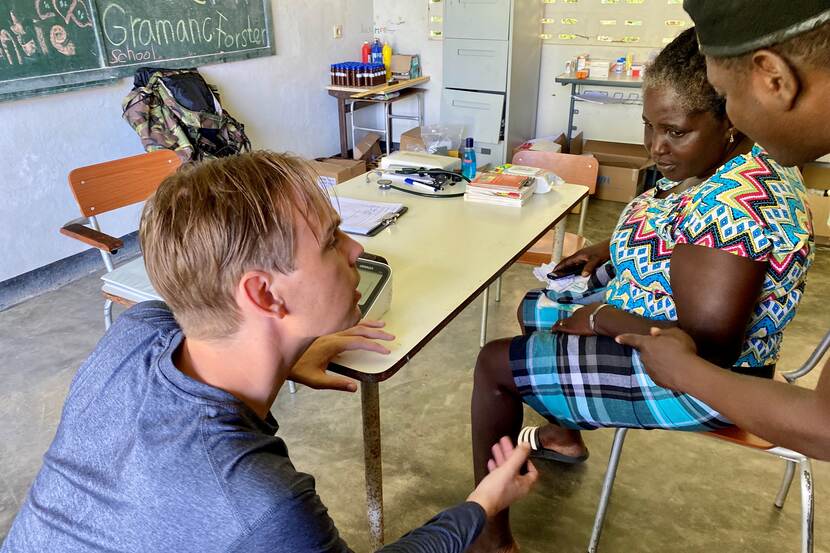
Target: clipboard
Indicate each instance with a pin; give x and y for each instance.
(366, 218)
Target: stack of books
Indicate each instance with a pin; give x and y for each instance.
(500, 189)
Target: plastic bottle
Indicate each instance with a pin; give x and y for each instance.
(377, 52)
(387, 60)
(365, 52)
(468, 159)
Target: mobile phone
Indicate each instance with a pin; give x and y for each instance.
(566, 272)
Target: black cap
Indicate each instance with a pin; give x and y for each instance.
(727, 28)
(469, 142)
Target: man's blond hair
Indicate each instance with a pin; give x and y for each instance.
(211, 222)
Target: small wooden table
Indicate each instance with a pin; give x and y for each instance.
(348, 104)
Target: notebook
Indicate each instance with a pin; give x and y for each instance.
(366, 218)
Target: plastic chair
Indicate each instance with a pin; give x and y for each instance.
(740, 437)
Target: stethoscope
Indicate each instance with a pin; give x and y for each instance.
(434, 179)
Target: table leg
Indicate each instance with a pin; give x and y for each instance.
(341, 117)
(571, 116)
(387, 108)
(370, 404)
(485, 304)
(558, 241)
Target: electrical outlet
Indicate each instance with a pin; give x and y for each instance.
(337, 31)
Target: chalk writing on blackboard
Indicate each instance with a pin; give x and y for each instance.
(132, 34)
(57, 34)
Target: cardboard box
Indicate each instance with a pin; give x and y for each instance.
(561, 140)
(405, 66)
(411, 141)
(817, 180)
(368, 147)
(622, 167)
(335, 170)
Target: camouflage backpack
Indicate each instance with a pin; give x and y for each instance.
(176, 109)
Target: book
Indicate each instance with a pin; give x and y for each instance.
(364, 217)
(503, 181)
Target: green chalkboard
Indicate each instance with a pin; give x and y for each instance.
(55, 45)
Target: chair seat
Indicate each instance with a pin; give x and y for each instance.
(739, 436)
(130, 282)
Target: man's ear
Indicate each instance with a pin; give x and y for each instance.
(777, 84)
(257, 292)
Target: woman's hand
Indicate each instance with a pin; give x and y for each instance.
(579, 322)
(589, 258)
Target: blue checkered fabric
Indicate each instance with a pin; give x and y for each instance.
(588, 382)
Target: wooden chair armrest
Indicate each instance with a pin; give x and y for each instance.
(92, 237)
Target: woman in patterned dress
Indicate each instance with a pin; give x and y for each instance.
(720, 248)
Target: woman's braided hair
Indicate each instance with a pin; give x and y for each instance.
(682, 68)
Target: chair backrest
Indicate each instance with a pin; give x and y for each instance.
(574, 169)
(113, 184)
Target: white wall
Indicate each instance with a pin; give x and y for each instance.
(280, 99)
(404, 24)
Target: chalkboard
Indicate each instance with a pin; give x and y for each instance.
(56, 45)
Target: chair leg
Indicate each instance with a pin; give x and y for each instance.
(485, 297)
(498, 289)
(807, 505)
(789, 472)
(292, 388)
(582, 212)
(607, 485)
(107, 314)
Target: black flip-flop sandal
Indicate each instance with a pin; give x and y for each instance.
(530, 435)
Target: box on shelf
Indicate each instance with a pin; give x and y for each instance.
(405, 66)
(557, 144)
(367, 147)
(335, 170)
(622, 167)
(817, 180)
(411, 141)
(599, 69)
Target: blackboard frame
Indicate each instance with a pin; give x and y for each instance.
(104, 75)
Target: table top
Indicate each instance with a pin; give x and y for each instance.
(443, 252)
(622, 81)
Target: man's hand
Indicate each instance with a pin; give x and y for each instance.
(667, 354)
(505, 485)
(310, 369)
(578, 323)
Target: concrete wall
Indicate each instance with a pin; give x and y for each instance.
(280, 99)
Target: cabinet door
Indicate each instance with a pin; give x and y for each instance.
(478, 19)
(475, 64)
(481, 113)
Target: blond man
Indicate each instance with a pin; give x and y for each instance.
(167, 442)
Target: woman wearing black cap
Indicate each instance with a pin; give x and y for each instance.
(771, 61)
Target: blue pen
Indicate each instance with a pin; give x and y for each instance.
(420, 184)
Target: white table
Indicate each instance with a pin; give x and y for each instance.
(443, 252)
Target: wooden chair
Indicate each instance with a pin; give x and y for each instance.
(573, 169)
(108, 186)
(743, 438)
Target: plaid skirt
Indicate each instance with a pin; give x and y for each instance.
(588, 382)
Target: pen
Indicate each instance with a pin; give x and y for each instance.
(421, 185)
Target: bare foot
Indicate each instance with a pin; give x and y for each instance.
(562, 440)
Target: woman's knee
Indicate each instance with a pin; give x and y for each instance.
(493, 364)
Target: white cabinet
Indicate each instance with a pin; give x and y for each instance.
(492, 55)
(475, 64)
(478, 19)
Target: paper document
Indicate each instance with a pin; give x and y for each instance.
(364, 217)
